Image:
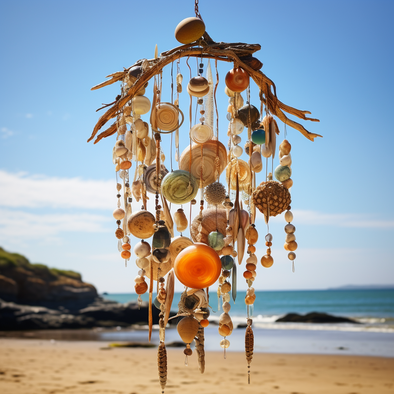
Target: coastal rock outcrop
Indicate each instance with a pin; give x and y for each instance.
(314, 317)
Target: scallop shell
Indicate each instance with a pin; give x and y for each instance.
(208, 150)
(189, 30)
(179, 187)
(201, 133)
(140, 105)
(141, 224)
(150, 178)
(167, 117)
(187, 329)
(240, 168)
(212, 219)
(178, 244)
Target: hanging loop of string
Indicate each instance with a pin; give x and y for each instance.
(196, 10)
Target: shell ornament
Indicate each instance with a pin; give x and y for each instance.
(189, 197)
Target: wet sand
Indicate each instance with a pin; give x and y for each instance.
(43, 366)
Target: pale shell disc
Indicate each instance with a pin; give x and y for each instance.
(140, 105)
(201, 133)
(167, 117)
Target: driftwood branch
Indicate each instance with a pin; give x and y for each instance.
(206, 48)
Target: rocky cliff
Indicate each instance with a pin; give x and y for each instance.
(24, 282)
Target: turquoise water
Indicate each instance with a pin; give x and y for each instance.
(374, 308)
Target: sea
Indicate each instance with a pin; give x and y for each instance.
(372, 333)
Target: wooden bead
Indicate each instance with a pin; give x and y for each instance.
(118, 214)
(292, 246)
(268, 244)
(204, 323)
(248, 275)
(291, 256)
(267, 261)
(125, 254)
(126, 246)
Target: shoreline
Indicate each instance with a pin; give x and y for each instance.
(37, 366)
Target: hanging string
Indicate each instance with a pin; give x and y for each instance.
(172, 102)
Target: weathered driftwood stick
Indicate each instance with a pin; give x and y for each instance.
(230, 52)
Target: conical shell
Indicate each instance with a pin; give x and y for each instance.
(212, 219)
(141, 224)
(187, 329)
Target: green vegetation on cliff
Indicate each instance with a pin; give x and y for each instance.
(14, 260)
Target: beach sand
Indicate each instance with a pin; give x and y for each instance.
(44, 366)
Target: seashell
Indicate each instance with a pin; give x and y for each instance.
(198, 94)
(125, 165)
(224, 318)
(267, 261)
(136, 190)
(236, 151)
(141, 288)
(229, 92)
(250, 267)
(282, 173)
(125, 254)
(201, 133)
(141, 128)
(215, 193)
(244, 219)
(216, 240)
(141, 151)
(161, 256)
(227, 262)
(140, 105)
(241, 169)
(208, 151)
(141, 224)
(150, 178)
(158, 269)
(128, 140)
(224, 331)
(227, 251)
(248, 114)
(189, 30)
(271, 198)
(252, 235)
(290, 228)
(236, 138)
(120, 148)
(265, 151)
(201, 295)
(236, 126)
(198, 84)
(237, 79)
(179, 187)
(178, 244)
(119, 233)
(288, 216)
(187, 329)
(150, 152)
(197, 266)
(256, 162)
(170, 288)
(291, 246)
(237, 101)
(122, 129)
(142, 263)
(180, 220)
(249, 300)
(240, 245)
(285, 147)
(226, 307)
(134, 73)
(142, 249)
(285, 160)
(118, 214)
(161, 238)
(252, 259)
(126, 246)
(212, 220)
(288, 183)
(225, 288)
(167, 117)
(290, 237)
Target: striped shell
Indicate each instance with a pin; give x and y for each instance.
(179, 187)
(201, 133)
(140, 105)
(150, 177)
(240, 168)
(167, 117)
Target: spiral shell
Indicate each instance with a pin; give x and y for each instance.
(140, 224)
(178, 244)
(179, 187)
(240, 168)
(237, 79)
(167, 117)
(271, 198)
(150, 177)
(208, 151)
(212, 219)
(201, 133)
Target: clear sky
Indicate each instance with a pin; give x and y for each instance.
(333, 58)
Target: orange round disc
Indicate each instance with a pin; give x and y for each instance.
(197, 266)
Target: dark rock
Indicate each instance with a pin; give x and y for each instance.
(8, 288)
(314, 317)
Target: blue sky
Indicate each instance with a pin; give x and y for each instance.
(332, 58)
